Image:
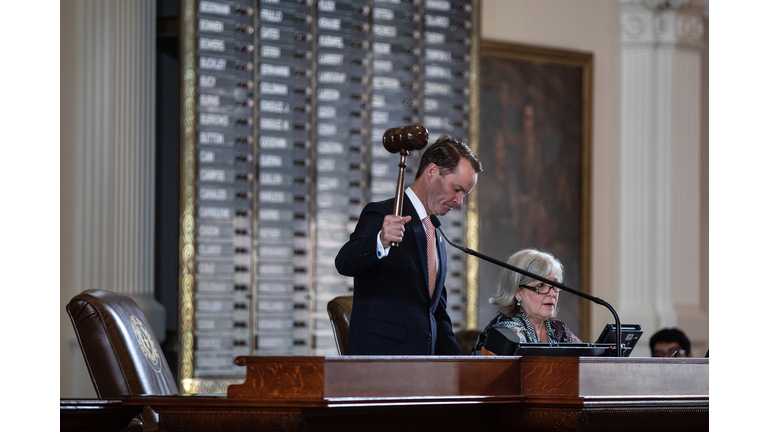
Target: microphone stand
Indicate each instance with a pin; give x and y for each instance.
(542, 279)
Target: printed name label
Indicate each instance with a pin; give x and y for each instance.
(270, 33)
(383, 14)
(214, 120)
(211, 44)
(326, 5)
(269, 15)
(212, 63)
(274, 106)
(270, 161)
(328, 94)
(437, 55)
(274, 70)
(324, 111)
(274, 124)
(441, 5)
(211, 138)
(384, 83)
(270, 51)
(273, 143)
(207, 81)
(436, 21)
(326, 165)
(273, 88)
(431, 71)
(329, 23)
(384, 31)
(330, 59)
(211, 26)
(331, 77)
(331, 41)
(434, 38)
(214, 8)
(330, 147)
(216, 175)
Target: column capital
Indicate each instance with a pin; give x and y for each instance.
(672, 22)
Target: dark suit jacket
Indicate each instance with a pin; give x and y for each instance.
(392, 312)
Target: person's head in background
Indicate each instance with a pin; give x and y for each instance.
(668, 341)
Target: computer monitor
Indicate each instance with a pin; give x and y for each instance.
(630, 334)
(504, 341)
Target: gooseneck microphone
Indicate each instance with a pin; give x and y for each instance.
(436, 223)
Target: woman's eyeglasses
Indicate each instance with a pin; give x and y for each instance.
(542, 288)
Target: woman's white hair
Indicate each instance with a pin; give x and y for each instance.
(532, 261)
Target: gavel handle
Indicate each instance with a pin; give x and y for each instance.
(400, 188)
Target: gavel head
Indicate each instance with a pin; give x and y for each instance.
(408, 138)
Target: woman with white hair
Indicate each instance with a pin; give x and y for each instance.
(527, 305)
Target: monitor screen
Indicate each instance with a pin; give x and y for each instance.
(630, 334)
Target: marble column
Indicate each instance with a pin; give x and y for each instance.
(108, 163)
(115, 183)
(663, 46)
(116, 152)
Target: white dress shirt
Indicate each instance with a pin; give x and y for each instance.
(382, 251)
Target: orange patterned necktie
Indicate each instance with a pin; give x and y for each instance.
(431, 262)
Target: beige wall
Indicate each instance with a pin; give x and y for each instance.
(593, 26)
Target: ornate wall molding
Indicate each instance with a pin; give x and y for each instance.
(188, 192)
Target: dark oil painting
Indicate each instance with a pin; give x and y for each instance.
(534, 145)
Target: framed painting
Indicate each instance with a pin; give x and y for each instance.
(534, 140)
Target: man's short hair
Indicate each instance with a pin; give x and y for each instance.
(671, 335)
(446, 153)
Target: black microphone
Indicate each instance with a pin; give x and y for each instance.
(436, 223)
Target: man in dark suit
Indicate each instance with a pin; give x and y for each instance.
(399, 305)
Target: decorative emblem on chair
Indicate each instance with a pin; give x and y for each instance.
(147, 344)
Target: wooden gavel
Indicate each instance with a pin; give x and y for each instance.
(403, 140)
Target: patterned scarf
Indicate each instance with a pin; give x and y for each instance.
(523, 327)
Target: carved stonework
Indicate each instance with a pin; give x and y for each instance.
(207, 385)
(657, 21)
(690, 28)
(188, 174)
(637, 26)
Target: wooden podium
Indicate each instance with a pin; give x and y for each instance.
(443, 393)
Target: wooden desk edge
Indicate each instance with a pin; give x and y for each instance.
(160, 403)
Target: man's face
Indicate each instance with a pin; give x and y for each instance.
(447, 192)
(666, 349)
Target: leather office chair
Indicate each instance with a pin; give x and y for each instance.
(339, 310)
(466, 340)
(120, 349)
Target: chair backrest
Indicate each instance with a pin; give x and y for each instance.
(120, 349)
(339, 310)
